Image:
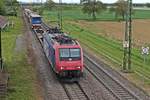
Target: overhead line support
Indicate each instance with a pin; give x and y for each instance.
(128, 38)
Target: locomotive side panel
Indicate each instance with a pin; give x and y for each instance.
(50, 53)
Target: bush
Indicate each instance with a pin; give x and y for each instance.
(148, 4)
(2, 8)
(11, 12)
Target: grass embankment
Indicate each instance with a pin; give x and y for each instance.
(106, 47)
(22, 75)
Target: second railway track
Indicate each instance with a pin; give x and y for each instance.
(113, 85)
(75, 91)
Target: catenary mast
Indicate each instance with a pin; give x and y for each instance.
(128, 38)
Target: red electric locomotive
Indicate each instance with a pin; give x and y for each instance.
(64, 53)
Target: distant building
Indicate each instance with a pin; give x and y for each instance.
(3, 22)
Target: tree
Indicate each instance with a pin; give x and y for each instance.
(92, 7)
(11, 3)
(39, 10)
(121, 8)
(113, 11)
(11, 7)
(8, 7)
(2, 8)
(148, 4)
(49, 4)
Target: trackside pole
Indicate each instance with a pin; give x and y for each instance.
(60, 14)
(1, 61)
(127, 45)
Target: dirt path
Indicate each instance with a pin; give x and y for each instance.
(22, 42)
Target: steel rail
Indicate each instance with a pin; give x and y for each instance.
(113, 79)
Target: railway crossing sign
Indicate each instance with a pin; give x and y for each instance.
(145, 50)
(126, 44)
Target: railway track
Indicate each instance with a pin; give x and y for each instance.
(75, 91)
(113, 85)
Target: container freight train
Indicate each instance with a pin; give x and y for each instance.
(33, 18)
(63, 53)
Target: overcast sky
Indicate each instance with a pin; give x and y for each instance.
(77, 1)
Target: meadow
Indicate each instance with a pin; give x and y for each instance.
(75, 13)
(109, 48)
(22, 76)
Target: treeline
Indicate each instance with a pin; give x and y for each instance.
(94, 7)
(90, 7)
(134, 4)
(9, 7)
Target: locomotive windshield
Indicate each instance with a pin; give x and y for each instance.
(70, 54)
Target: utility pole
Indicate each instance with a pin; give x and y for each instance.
(31, 3)
(128, 39)
(125, 45)
(41, 2)
(130, 33)
(1, 60)
(80, 1)
(60, 14)
(12, 8)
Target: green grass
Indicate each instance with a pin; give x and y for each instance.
(75, 13)
(141, 14)
(21, 83)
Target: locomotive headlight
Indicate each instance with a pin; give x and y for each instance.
(61, 67)
(78, 66)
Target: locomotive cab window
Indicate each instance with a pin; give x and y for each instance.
(67, 53)
(74, 52)
(64, 53)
